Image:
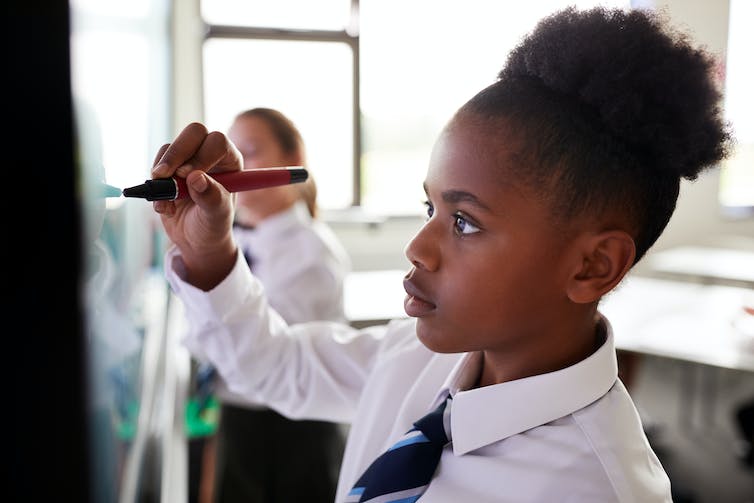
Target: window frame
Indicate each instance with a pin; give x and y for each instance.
(349, 36)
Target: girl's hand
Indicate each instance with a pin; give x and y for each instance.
(200, 225)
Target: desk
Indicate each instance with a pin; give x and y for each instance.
(711, 265)
(687, 321)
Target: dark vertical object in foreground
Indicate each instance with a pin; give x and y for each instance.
(44, 365)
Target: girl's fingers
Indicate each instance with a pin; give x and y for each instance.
(181, 151)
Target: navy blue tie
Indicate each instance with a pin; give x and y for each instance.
(403, 472)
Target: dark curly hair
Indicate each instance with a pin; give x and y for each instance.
(611, 109)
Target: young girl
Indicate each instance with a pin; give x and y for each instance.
(302, 266)
(542, 192)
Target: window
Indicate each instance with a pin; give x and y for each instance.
(309, 81)
(737, 178)
(416, 63)
(296, 56)
(282, 14)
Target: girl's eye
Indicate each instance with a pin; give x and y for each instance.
(430, 209)
(463, 226)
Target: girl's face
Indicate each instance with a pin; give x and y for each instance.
(261, 149)
(489, 268)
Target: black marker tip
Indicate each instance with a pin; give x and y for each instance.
(137, 191)
(154, 190)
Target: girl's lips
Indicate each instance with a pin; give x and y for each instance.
(415, 304)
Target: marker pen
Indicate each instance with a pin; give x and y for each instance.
(234, 181)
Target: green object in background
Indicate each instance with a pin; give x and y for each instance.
(201, 420)
(125, 429)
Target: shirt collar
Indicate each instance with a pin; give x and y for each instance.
(478, 416)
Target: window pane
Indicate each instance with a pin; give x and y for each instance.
(737, 178)
(310, 82)
(294, 14)
(416, 70)
(134, 9)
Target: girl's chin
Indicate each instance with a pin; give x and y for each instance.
(434, 340)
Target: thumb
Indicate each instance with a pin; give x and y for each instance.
(208, 193)
(197, 182)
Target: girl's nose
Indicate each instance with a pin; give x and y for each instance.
(423, 249)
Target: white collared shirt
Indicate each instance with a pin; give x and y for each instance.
(300, 262)
(571, 435)
(302, 266)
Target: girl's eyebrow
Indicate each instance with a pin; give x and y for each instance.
(457, 196)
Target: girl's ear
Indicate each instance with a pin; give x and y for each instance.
(606, 257)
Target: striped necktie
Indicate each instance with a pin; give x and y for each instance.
(403, 472)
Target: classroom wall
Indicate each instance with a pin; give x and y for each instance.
(697, 220)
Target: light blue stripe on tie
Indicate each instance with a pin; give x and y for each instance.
(406, 500)
(413, 437)
(405, 496)
(354, 495)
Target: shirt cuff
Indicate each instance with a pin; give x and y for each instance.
(238, 284)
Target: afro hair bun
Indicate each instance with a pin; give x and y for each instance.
(651, 90)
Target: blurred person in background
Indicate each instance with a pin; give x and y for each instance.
(256, 454)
